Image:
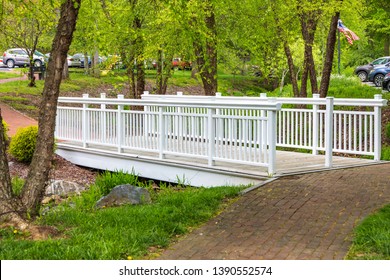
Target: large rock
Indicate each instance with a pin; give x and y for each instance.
(63, 188)
(124, 194)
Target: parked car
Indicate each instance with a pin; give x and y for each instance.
(19, 57)
(73, 61)
(378, 73)
(386, 82)
(363, 70)
(81, 57)
(178, 63)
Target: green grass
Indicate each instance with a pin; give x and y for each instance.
(119, 232)
(7, 75)
(372, 237)
(12, 98)
(339, 87)
(78, 81)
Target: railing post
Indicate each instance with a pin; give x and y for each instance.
(161, 132)
(84, 121)
(179, 124)
(377, 130)
(263, 95)
(211, 135)
(103, 119)
(329, 132)
(147, 118)
(119, 129)
(220, 134)
(271, 142)
(315, 125)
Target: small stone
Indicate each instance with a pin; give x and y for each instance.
(46, 200)
(124, 194)
(63, 188)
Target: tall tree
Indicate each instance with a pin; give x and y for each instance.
(202, 18)
(19, 209)
(330, 49)
(309, 21)
(24, 23)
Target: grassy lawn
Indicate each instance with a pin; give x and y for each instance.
(11, 74)
(372, 237)
(127, 232)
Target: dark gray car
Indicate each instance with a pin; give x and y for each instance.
(19, 57)
(363, 70)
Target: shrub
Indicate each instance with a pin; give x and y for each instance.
(385, 153)
(5, 127)
(22, 144)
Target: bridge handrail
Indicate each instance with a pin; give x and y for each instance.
(165, 126)
(378, 101)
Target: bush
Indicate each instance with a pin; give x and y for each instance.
(5, 127)
(385, 153)
(23, 143)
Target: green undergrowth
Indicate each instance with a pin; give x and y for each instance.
(372, 237)
(126, 232)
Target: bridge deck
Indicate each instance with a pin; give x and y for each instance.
(193, 170)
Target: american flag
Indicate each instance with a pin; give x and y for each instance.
(351, 36)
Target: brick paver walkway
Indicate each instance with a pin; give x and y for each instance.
(15, 119)
(309, 216)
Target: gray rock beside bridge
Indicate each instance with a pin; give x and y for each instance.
(124, 194)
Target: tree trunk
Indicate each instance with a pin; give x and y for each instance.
(86, 63)
(291, 68)
(65, 72)
(135, 54)
(281, 85)
(31, 72)
(130, 74)
(305, 75)
(309, 21)
(37, 178)
(387, 46)
(140, 78)
(95, 64)
(194, 70)
(330, 47)
(206, 56)
(164, 68)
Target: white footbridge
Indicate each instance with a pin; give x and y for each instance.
(215, 141)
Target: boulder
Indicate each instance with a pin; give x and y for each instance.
(124, 194)
(63, 188)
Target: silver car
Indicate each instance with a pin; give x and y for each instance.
(73, 61)
(19, 57)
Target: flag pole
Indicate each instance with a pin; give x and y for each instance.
(338, 48)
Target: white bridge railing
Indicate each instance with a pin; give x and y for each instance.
(209, 129)
(243, 130)
(321, 125)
